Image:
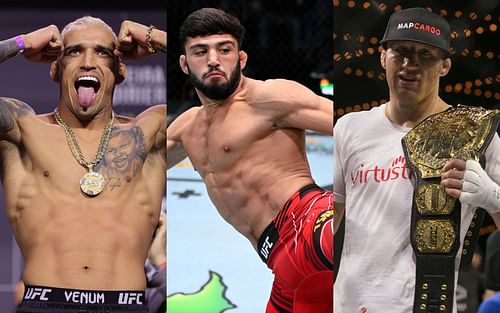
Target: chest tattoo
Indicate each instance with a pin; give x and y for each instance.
(124, 157)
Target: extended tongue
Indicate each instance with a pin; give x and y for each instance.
(85, 96)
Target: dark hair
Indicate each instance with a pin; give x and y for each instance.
(210, 21)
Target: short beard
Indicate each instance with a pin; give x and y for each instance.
(218, 91)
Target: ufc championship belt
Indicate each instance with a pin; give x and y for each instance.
(457, 133)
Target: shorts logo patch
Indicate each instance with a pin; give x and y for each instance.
(37, 293)
(322, 218)
(84, 297)
(266, 248)
(129, 298)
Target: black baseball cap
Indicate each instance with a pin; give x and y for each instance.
(418, 25)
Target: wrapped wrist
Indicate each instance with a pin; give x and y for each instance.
(479, 190)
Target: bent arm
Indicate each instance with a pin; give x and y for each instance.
(296, 106)
(153, 122)
(469, 182)
(11, 111)
(159, 40)
(42, 45)
(135, 40)
(8, 49)
(155, 118)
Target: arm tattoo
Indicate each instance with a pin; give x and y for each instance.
(8, 49)
(124, 157)
(6, 120)
(11, 109)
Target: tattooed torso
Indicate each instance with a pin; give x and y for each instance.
(80, 241)
(124, 157)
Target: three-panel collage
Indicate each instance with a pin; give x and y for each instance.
(262, 156)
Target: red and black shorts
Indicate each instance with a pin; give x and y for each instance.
(298, 247)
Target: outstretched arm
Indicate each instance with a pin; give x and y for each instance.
(467, 181)
(136, 40)
(296, 106)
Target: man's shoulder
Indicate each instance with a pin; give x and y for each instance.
(275, 94)
(278, 86)
(365, 116)
(362, 124)
(155, 111)
(183, 119)
(270, 86)
(189, 113)
(16, 106)
(152, 119)
(160, 109)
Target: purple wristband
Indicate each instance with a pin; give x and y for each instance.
(20, 43)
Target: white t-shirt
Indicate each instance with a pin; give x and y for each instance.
(377, 268)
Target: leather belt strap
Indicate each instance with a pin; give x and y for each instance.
(457, 133)
(471, 238)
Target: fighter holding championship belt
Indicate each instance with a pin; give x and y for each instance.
(404, 229)
(457, 133)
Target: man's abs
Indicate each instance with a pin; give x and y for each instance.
(250, 207)
(74, 241)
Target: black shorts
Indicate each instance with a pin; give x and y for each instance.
(40, 299)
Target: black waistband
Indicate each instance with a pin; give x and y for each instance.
(267, 240)
(76, 296)
(270, 235)
(305, 190)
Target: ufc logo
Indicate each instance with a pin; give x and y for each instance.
(129, 298)
(40, 293)
(266, 248)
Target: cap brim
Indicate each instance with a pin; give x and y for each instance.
(383, 42)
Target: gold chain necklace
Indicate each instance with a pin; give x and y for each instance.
(92, 183)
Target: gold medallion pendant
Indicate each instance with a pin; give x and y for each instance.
(92, 183)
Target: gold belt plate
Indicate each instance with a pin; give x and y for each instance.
(457, 133)
(432, 199)
(435, 236)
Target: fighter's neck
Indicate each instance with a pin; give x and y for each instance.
(97, 122)
(411, 114)
(210, 104)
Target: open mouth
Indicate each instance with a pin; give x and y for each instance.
(408, 81)
(408, 78)
(87, 87)
(120, 162)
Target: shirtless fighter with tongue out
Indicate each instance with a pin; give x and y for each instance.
(83, 239)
